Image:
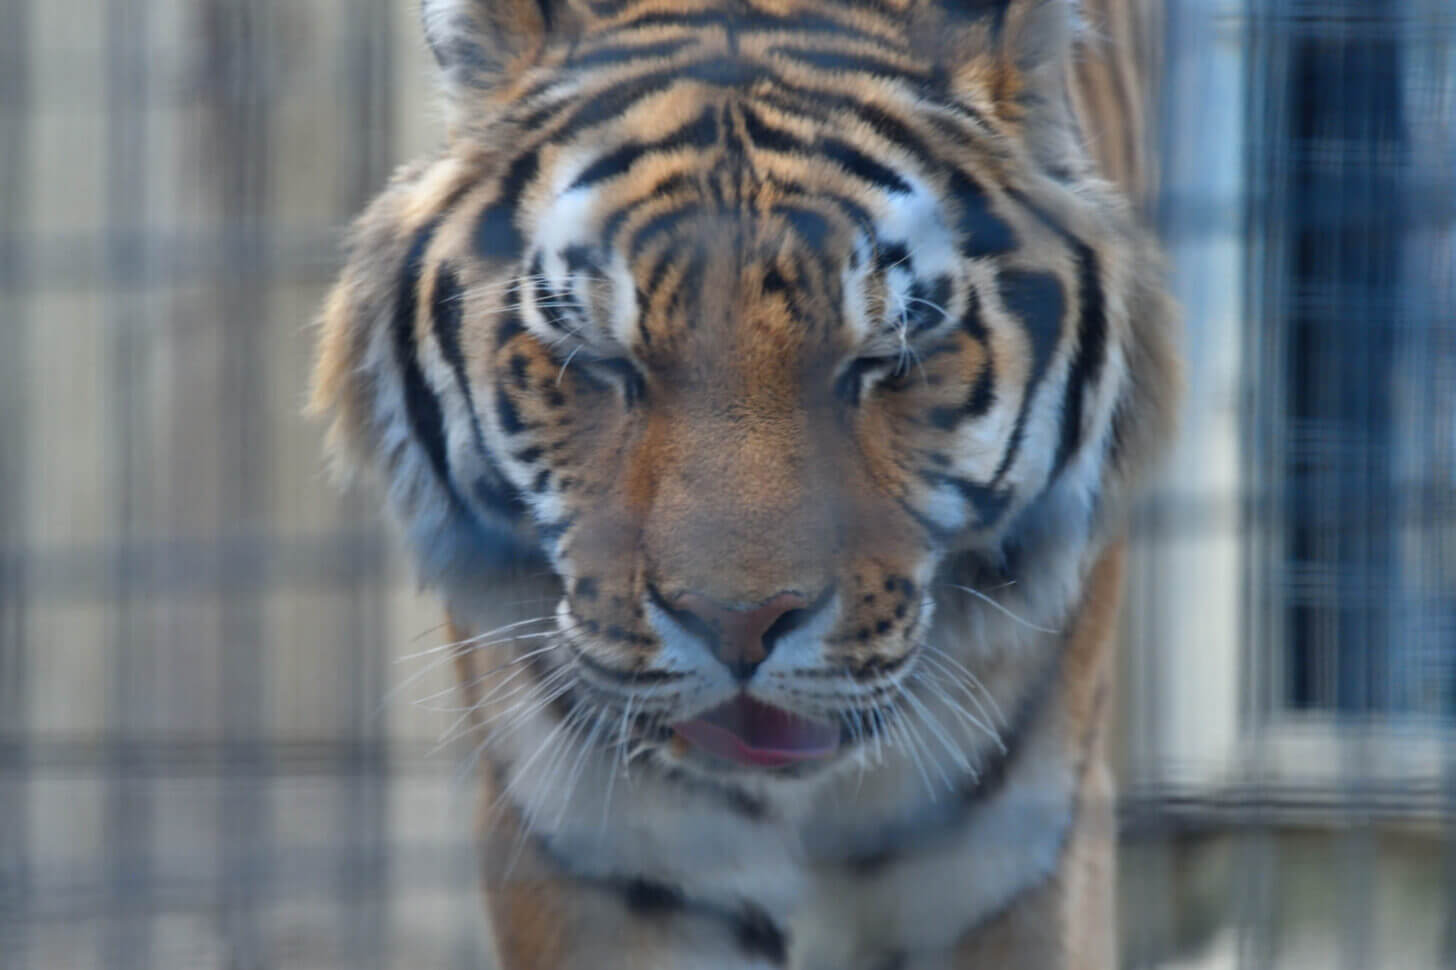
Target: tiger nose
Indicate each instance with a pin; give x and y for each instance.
(740, 638)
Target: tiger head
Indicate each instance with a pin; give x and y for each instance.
(786, 335)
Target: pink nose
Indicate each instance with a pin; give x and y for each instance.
(742, 638)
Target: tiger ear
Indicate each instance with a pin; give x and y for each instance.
(1016, 53)
(480, 44)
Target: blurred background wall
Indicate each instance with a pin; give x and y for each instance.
(216, 750)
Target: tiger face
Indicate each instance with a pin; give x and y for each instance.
(765, 329)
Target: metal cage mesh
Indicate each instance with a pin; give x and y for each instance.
(215, 750)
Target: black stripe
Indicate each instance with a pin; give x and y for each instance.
(989, 502)
(510, 326)
(1119, 434)
(447, 310)
(498, 545)
(628, 377)
(938, 533)
(1091, 353)
(923, 313)
(579, 259)
(690, 284)
(613, 223)
(1038, 303)
(983, 391)
(742, 803)
(817, 105)
(422, 408)
(849, 386)
(627, 53)
(661, 266)
(547, 301)
(606, 105)
(759, 937)
(808, 225)
(496, 236)
(615, 100)
(851, 210)
(766, 137)
(616, 676)
(887, 257)
(982, 232)
(702, 132)
(660, 224)
(854, 161)
(646, 898)
(755, 932)
(971, 321)
(552, 531)
(506, 413)
(831, 60)
(754, 21)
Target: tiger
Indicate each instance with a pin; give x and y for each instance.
(804, 358)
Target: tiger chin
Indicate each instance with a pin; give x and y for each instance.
(794, 365)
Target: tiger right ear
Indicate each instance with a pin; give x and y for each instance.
(480, 44)
(1016, 54)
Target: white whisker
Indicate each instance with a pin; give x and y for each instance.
(994, 716)
(999, 606)
(984, 722)
(471, 639)
(935, 727)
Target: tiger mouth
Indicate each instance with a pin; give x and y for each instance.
(751, 733)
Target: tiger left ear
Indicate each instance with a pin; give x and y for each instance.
(480, 44)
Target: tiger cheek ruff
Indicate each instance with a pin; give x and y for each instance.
(797, 360)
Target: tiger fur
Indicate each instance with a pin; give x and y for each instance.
(799, 355)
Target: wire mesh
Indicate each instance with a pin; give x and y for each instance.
(206, 755)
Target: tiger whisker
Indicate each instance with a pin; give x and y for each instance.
(567, 363)
(461, 726)
(959, 680)
(921, 742)
(1003, 608)
(527, 816)
(438, 662)
(552, 682)
(514, 724)
(995, 716)
(472, 639)
(588, 743)
(483, 676)
(937, 730)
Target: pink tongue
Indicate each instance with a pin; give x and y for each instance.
(753, 733)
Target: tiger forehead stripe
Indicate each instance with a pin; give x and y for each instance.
(850, 23)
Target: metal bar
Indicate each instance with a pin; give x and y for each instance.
(128, 798)
(17, 862)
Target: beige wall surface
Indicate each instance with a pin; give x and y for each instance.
(205, 765)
